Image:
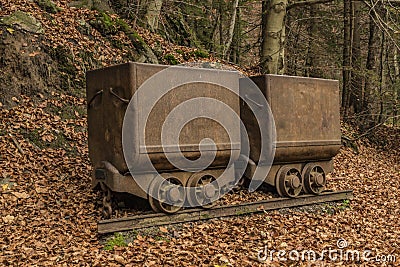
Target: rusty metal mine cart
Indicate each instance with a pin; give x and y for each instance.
(307, 119)
(109, 90)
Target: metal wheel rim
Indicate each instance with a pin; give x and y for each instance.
(310, 171)
(197, 181)
(283, 180)
(158, 188)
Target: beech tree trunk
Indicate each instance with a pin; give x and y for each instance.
(273, 36)
(231, 28)
(153, 14)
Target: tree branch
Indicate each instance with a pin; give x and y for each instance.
(307, 3)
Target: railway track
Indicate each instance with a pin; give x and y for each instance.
(190, 215)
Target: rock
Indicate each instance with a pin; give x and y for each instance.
(99, 5)
(48, 6)
(23, 21)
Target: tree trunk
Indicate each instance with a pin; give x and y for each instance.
(346, 56)
(312, 69)
(231, 29)
(356, 61)
(153, 14)
(273, 34)
(370, 81)
(381, 76)
(395, 88)
(221, 23)
(235, 57)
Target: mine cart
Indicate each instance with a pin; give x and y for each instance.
(307, 120)
(115, 90)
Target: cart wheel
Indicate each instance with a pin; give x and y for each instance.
(202, 192)
(314, 179)
(168, 195)
(289, 182)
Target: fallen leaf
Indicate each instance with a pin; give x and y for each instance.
(119, 259)
(163, 229)
(22, 195)
(8, 219)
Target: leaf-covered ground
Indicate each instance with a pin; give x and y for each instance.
(48, 212)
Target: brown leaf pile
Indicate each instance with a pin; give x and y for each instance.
(49, 213)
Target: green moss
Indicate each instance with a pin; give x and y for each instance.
(200, 54)
(243, 212)
(205, 216)
(48, 6)
(118, 240)
(123, 26)
(105, 24)
(171, 59)
(179, 51)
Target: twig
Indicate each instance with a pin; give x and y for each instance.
(17, 144)
(307, 3)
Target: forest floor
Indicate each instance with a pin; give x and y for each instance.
(49, 212)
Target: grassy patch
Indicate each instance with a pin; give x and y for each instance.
(66, 112)
(161, 238)
(118, 240)
(329, 209)
(344, 205)
(59, 141)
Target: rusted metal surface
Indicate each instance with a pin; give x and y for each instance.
(158, 219)
(306, 114)
(307, 120)
(109, 91)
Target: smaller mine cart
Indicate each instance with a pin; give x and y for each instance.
(307, 120)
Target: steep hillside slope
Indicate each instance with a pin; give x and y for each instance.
(48, 45)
